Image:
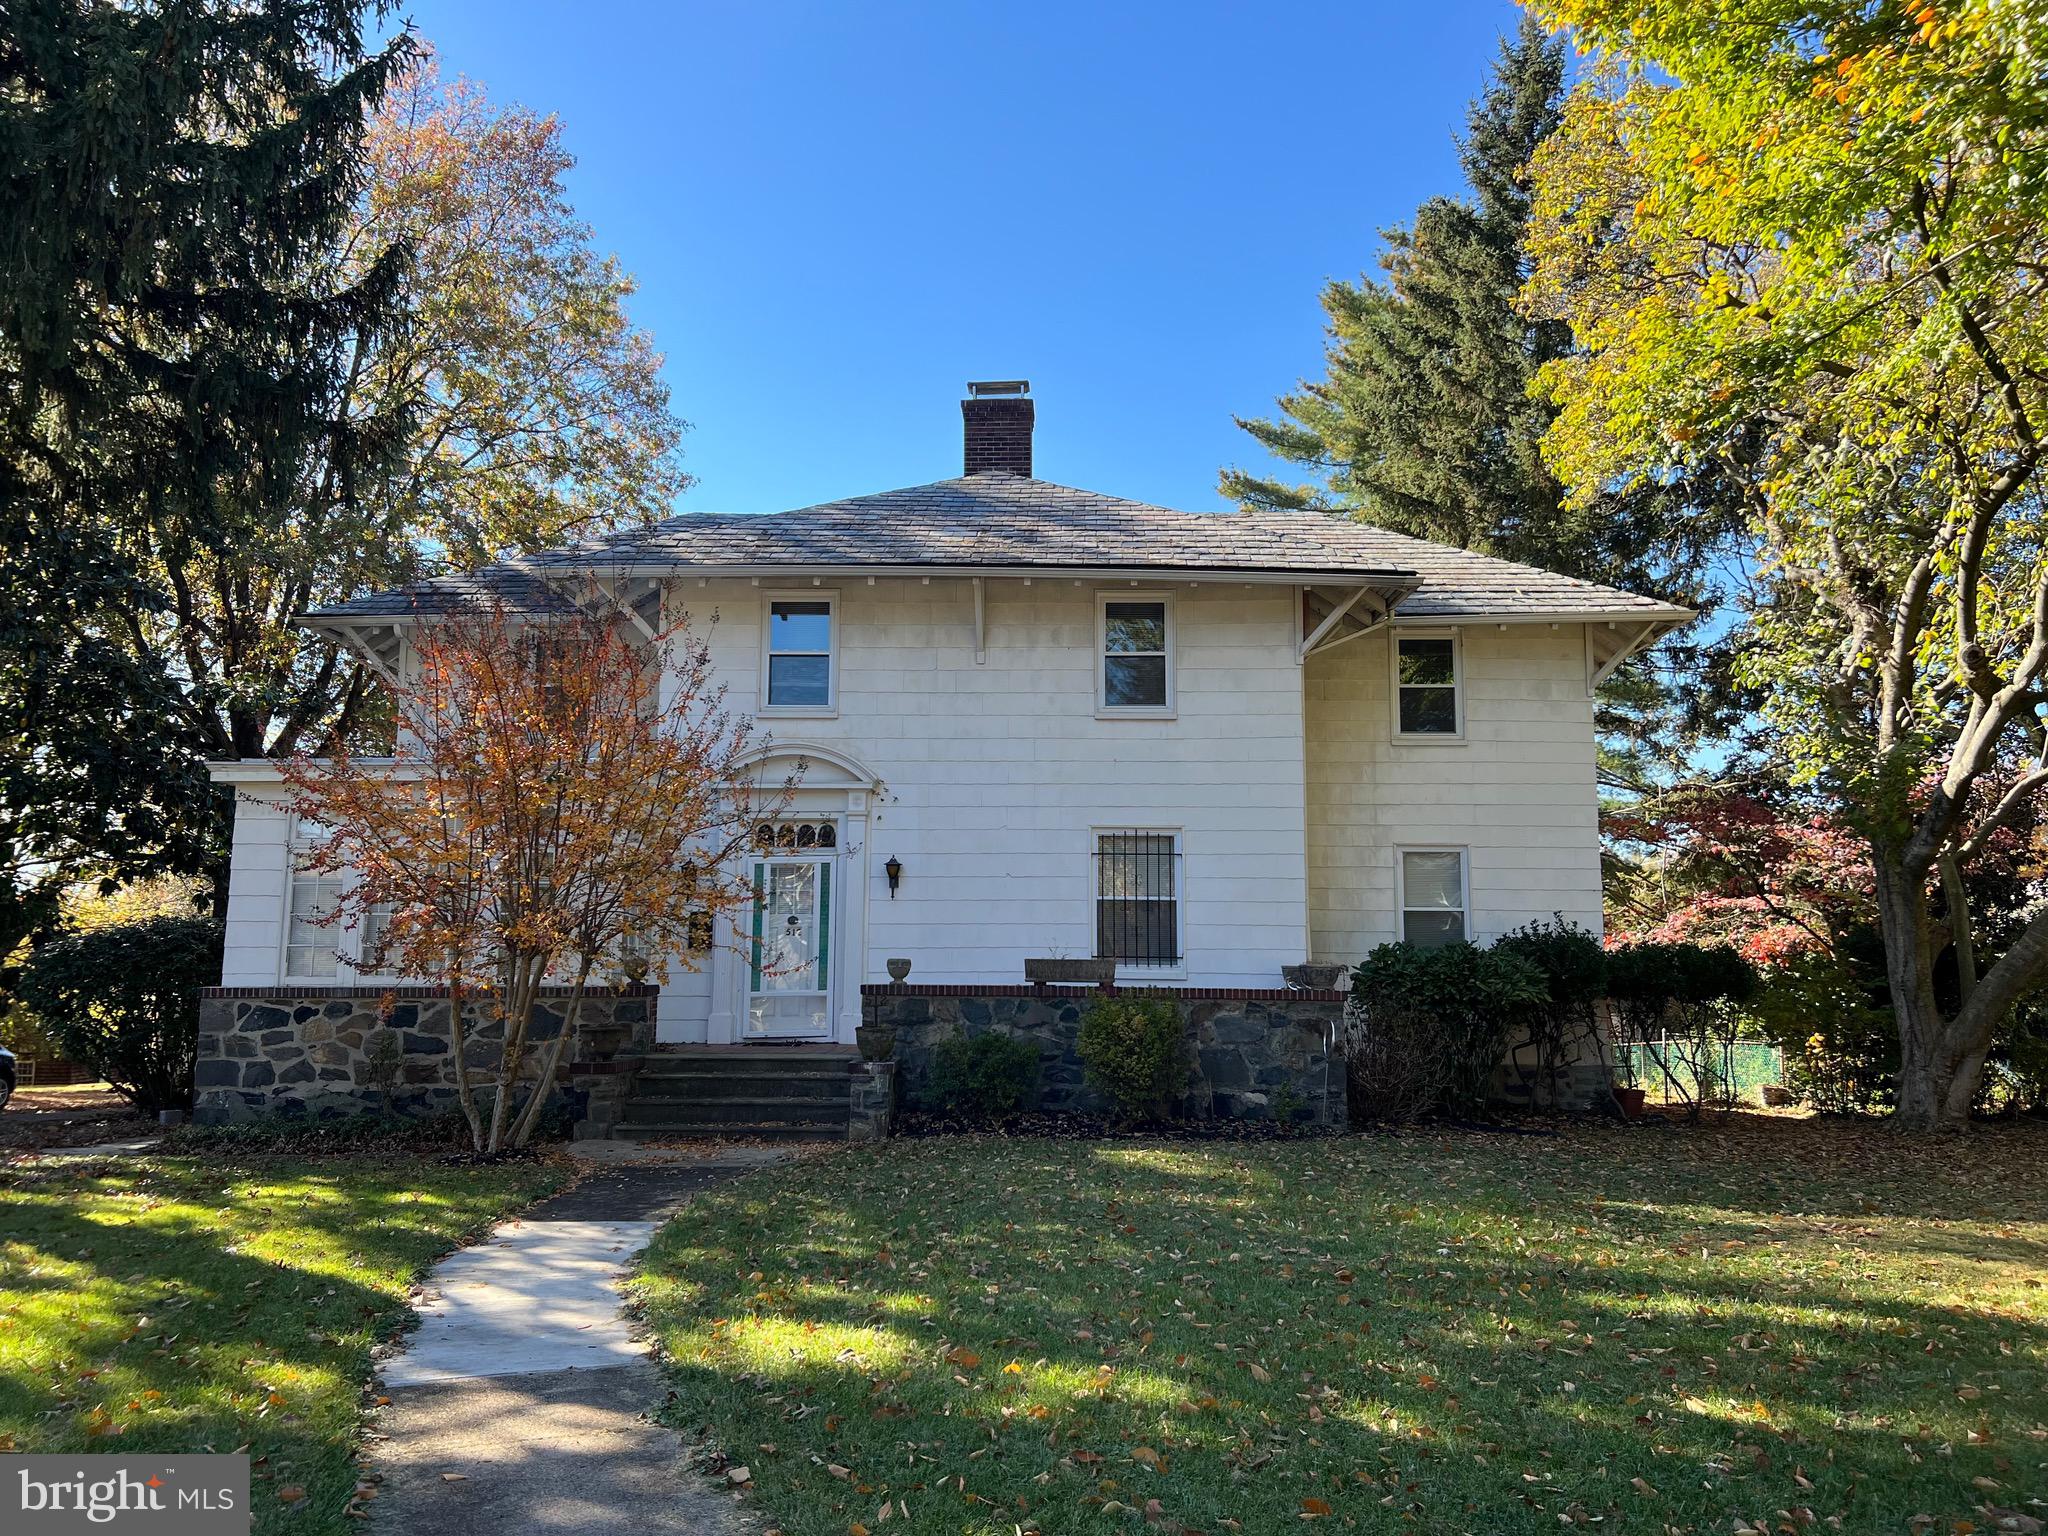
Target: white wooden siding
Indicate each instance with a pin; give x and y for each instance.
(1285, 782)
(1518, 792)
(995, 772)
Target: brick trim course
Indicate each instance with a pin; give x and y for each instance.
(1047, 990)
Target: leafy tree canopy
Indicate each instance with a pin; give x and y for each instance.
(168, 175)
(1803, 248)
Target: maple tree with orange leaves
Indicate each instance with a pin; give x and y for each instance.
(564, 807)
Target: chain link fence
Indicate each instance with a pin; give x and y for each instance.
(1667, 1072)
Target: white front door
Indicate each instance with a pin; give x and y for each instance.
(789, 980)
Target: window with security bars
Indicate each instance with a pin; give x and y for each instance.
(1137, 898)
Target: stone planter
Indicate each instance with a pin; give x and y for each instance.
(1082, 973)
(899, 969)
(877, 1042)
(1313, 978)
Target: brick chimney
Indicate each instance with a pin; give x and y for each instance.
(998, 414)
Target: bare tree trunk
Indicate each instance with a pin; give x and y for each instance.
(519, 998)
(1909, 966)
(572, 1018)
(1958, 900)
(458, 1035)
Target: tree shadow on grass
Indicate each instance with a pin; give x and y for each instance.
(1411, 1330)
(161, 1307)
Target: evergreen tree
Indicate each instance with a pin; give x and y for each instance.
(170, 172)
(1424, 422)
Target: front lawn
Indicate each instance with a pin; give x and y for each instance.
(1772, 1326)
(190, 1305)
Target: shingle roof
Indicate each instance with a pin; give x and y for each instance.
(1000, 520)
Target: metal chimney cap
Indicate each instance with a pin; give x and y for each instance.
(980, 387)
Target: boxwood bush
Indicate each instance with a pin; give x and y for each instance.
(1135, 1052)
(983, 1075)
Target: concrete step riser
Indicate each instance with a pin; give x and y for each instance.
(739, 1088)
(750, 1061)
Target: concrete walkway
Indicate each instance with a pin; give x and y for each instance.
(520, 1404)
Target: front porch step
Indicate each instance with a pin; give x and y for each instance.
(772, 1110)
(778, 1092)
(671, 1083)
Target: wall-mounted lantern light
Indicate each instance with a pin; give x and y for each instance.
(894, 870)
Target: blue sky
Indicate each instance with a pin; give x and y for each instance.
(840, 213)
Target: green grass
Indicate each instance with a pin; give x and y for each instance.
(1654, 1331)
(189, 1305)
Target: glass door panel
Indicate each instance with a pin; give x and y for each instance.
(789, 981)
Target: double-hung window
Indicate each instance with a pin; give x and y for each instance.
(1428, 702)
(1134, 670)
(371, 938)
(1435, 908)
(799, 656)
(312, 933)
(1137, 898)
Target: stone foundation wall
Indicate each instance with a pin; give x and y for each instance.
(871, 1101)
(1255, 1054)
(320, 1051)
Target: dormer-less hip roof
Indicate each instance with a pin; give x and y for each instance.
(996, 522)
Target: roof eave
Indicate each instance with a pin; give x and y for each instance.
(1666, 616)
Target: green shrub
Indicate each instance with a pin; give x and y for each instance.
(1574, 968)
(1428, 1026)
(124, 1001)
(984, 1075)
(1135, 1053)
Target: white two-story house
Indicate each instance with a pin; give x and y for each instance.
(1041, 721)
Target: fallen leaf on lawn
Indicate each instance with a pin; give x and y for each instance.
(1259, 1372)
(963, 1357)
(1642, 1487)
(1147, 1455)
(837, 1470)
(1316, 1507)
(454, 1477)
(290, 1493)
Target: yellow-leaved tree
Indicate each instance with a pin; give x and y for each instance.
(1805, 246)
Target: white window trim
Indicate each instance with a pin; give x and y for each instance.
(1138, 974)
(297, 843)
(1401, 852)
(348, 940)
(1104, 710)
(1426, 738)
(830, 709)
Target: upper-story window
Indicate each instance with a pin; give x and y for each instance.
(1135, 670)
(800, 659)
(1428, 697)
